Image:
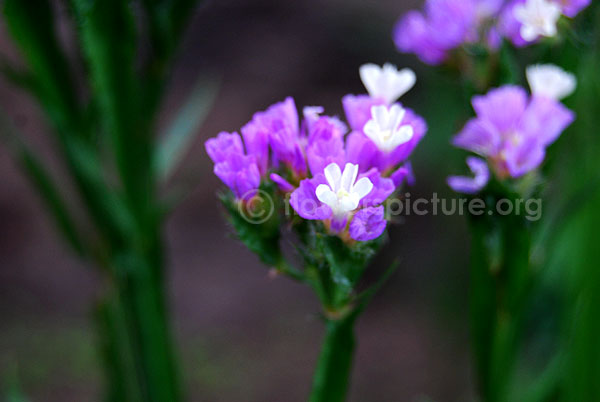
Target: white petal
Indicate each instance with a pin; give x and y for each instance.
(396, 116)
(399, 84)
(551, 81)
(362, 187)
(528, 33)
(371, 129)
(333, 174)
(370, 75)
(349, 203)
(325, 195)
(380, 114)
(349, 176)
(404, 134)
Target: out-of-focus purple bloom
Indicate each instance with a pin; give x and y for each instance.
(368, 224)
(222, 145)
(443, 26)
(240, 173)
(571, 8)
(282, 183)
(512, 131)
(471, 185)
(325, 145)
(509, 26)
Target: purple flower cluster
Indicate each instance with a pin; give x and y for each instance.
(333, 173)
(512, 130)
(444, 25)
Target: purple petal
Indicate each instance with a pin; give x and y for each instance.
(403, 173)
(240, 173)
(502, 107)
(368, 224)
(571, 8)
(471, 185)
(412, 34)
(222, 145)
(509, 26)
(525, 157)
(325, 146)
(256, 139)
(383, 187)
(358, 109)
(478, 136)
(545, 119)
(361, 151)
(282, 183)
(305, 202)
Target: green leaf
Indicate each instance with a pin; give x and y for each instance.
(108, 39)
(31, 24)
(257, 224)
(44, 184)
(346, 263)
(178, 137)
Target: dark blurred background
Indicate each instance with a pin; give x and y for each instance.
(244, 336)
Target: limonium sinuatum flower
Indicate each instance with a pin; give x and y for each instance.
(512, 130)
(337, 178)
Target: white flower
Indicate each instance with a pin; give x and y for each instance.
(550, 81)
(341, 193)
(387, 82)
(385, 128)
(538, 18)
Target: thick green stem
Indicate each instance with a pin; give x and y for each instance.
(138, 345)
(331, 379)
(500, 283)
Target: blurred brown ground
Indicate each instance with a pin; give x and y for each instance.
(243, 336)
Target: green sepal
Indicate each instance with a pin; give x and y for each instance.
(260, 234)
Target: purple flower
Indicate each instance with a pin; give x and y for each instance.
(325, 145)
(222, 145)
(281, 122)
(256, 138)
(240, 173)
(305, 202)
(368, 224)
(335, 195)
(443, 26)
(471, 185)
(361, 150)
(512, 131)
(358, 109)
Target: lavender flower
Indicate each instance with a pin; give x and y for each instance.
(512, 130)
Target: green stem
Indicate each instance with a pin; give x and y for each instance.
(139, 355)
(331, 379)
(500, 284)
